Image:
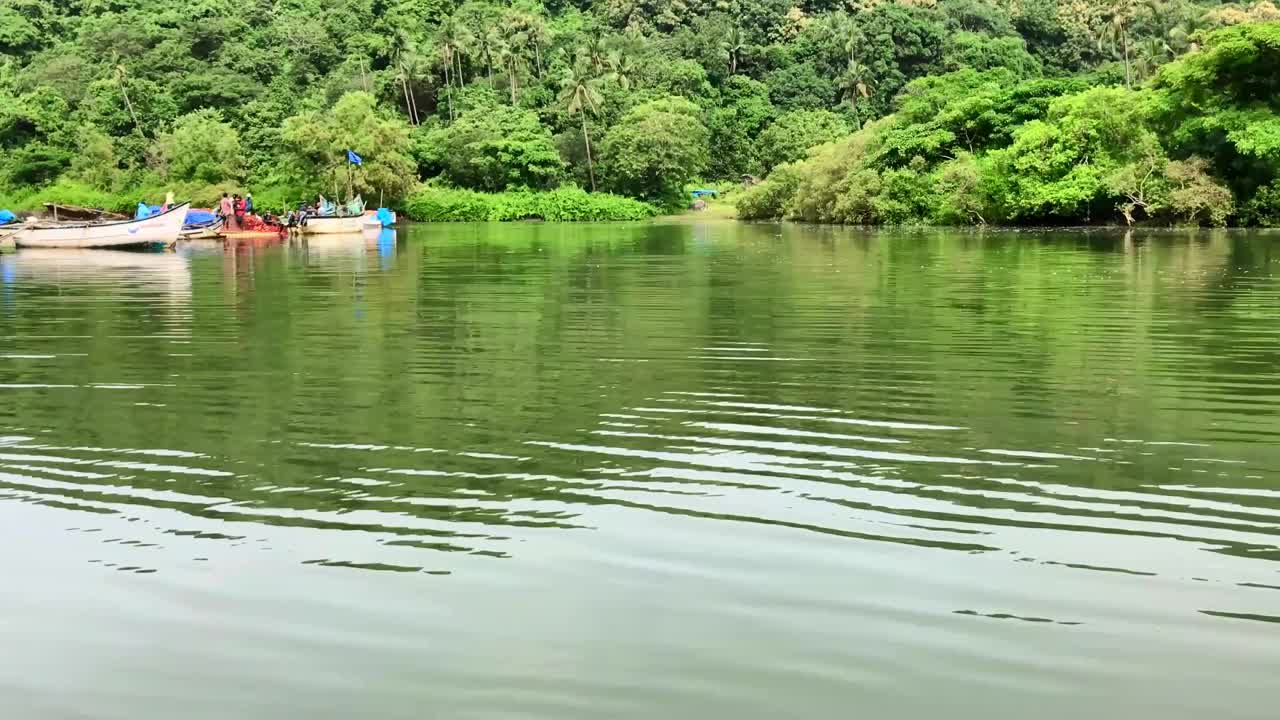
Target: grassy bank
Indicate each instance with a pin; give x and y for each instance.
(563, 205)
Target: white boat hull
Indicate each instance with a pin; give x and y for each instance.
(162, 229)
(338, 225)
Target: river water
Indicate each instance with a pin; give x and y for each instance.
(683, 471)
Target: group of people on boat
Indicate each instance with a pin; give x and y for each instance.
(234, 210)
(324, 207)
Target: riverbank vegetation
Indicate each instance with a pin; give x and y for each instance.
(921, 111)
(1198, 144)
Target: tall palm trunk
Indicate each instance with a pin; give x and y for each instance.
(586, 138)
(448, 86)
(513, 82)
(408, 101)
(413, 100)
(1124, 41)
(129, 103)
(537, 57)
(857, 118)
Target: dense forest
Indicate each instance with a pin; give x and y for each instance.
(915, 111)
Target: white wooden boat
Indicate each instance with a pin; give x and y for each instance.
(161, 229)
(334, 225)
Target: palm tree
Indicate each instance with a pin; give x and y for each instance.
(539, 35)
(448, 42)
(466, 42)
(622, 68)
(734, 43)
(1151, 53)
(596, 51)
(401, 46)
(844, 30)
(513, 59)
(580, 94)
(1116, 31)
(488, 45)
(856, 83)
(414, 66)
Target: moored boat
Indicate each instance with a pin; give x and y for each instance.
(161, 229)
(75, 213)
(202, 232)
(338, 225)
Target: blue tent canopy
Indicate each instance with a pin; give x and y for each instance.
(704, 192)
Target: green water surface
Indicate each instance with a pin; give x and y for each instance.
(643, 471)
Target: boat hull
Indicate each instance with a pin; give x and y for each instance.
(337, 225)
(162, 229)
(208, 232)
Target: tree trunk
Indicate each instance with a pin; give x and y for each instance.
(513, 82)
(448, 87)
(1124, 41)
(733, 63)
(129, 104)
(857, 119)
(413, 101)
(408, 102)
(586, 138)
(537, 57)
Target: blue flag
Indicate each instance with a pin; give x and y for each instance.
(353, 158)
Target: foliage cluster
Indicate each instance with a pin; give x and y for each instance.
(565, 204)
(950, 102)
(1197, 144)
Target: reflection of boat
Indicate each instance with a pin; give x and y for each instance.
(161, 229)
(82, 214)
(350, 244)
(115, 269)
(255, 234)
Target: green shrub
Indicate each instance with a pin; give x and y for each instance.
(563, 205)
(1263, 209)
(768, 200)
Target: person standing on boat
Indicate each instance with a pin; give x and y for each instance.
(239, 208)
(248, 203)
(227, 210)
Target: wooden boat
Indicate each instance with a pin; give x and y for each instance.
(75, 213)
(206, 232)
(161, 229)
(336, 225)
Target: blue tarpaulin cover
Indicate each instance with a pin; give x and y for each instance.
(196, 216)
(384, 216)
(7, 217)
